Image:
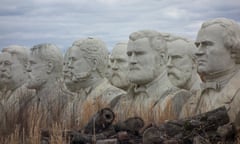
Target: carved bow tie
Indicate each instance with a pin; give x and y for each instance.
(211, 85)
(139, 89)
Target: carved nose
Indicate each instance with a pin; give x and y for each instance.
(114, 65)
(70, 67)
(28, 68)
(169, 63)
(3, 69)
(65, 69)
(133, 59)
(200, 51)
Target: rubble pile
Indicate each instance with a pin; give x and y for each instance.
(212, 127)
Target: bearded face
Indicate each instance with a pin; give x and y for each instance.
(119, 66)
(37, 73)
(12, 72)
(5, 69)
(180, 68)
(144, 62)
(76, 70)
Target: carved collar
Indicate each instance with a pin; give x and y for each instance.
(152, 89)
(219, 80)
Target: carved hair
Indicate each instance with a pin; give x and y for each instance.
(231, 35)
(121, 43)
(19, 51)
(95, 52)
(122, 46)
(189, 45)
(155, 39)
(49, 52)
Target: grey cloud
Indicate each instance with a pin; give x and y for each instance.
(62, 22)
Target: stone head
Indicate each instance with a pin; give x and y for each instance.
(108, 72)
(147, 56)
(119, 65)
(44, 66)
(13, 61)
(218, 43)
(181, 60)
(87, 60)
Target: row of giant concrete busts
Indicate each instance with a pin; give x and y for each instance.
(154, 75)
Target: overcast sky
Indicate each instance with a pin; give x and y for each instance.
(31, 22)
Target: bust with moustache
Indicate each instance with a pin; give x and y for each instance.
(151, 95)
(84, 74)
(13, 60)
(119, 66)
(44, 76)
(218, 50)
(14, 94)
(181, 65)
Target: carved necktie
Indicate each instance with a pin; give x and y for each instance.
(211, 85)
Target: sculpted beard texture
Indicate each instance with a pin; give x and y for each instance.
(178, 77)
(83, 76)
(140, 76)
(4, 75)
(34, 83)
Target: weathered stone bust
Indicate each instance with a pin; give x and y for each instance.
(119, 65)
(13, 67)
(218, 43)
(151, 96)
(87, 62)
(108, 73)
(14, 94)
(182, 68)
(44, 67)
(86, 65)
(45, 70)
(147, 56)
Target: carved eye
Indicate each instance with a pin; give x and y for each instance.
(129, 54)
(32, 62)
(7, 63)
(111, 60)
(197, 44)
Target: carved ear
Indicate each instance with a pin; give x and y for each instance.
(94, 61)
(163, 59)
(49, 67)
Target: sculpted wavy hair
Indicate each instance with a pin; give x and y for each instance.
(95, 52)
(156, 40)
(189, 45)
(231, 35)
(19, 51)
(49, 52)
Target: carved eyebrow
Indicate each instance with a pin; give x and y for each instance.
(121, 59)
(207, 43)
(204, 43)
(7, 62)
(32, 62)
(72, 58)
(176, 56)
(140, 52)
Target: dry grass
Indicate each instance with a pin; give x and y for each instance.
(86, 110)
(238, 137)
(33, 119)
(12, 139)
(34, 138)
